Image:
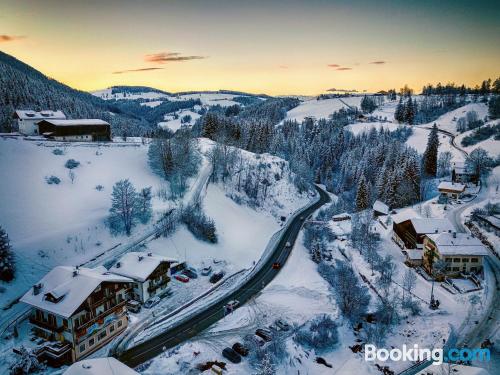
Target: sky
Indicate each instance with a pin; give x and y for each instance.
(273, 47)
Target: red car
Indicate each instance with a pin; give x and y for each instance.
(276, 266)
(182, 278)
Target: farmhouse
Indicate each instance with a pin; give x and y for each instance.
(409, 233)
(27, 120)
(82, 130)
(461, 251)
(453, 190)
(149, 271)
(461, 174)
(81, 308)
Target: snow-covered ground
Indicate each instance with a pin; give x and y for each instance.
(174, 121)
(491, 145)
(321, 108)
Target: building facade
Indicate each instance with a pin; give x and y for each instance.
(82, 309)
(461, 252)
(82, 130)
(409, 233)
(150, 273)
(451, 190)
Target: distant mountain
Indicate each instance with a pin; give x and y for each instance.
(23, 87)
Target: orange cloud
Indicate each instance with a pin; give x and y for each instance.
(333, 65)
(164, 57)
(378, 62)
(10, 38)
(343, 69)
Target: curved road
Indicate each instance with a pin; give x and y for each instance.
(205, 318)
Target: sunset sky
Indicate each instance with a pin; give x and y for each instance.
(274, 47)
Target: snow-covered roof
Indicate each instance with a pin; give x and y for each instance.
(99, 366)
(139, 265)
(77, 122)
(431, 225)
(343, 215)
(381, 207)
(34, 115)
(404, 215)
(458, 244)
(71, 285)
(414, 254)
(453, 186)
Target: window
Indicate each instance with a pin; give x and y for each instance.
(82, 348)
(91, 342)
(65, 323)
(465, 260)
(456, 269)
(112, 328)
(473, 269)
(456, 260)
(120, 323)
(448, 268)
(474, 260)
(101, 335)
(447, 260)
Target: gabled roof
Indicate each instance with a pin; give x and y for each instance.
(70, 287)
(99, 366)
(431, 225)
(77, 122)
(458, 244)
(381, 207)
(453, 186)
(34, 115)
(139, 265)
(404, 215)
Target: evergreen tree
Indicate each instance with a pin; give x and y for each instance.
(409, 111)
(362, 195)
(7, 267)
(399, 115)
(144, 201)
(431, 153)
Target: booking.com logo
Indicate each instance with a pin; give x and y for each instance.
(415, 353)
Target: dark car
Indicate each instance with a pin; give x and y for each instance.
(282, 324)
(216, 277)
(190, 272)
(265, 334)
(276, 266)
(231, 355)
(240, 349)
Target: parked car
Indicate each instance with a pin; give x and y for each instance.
(133, 306)
(276, 266)
(206, 271)
(302, 218)
(190, 272)
(257, 340)
(265, 334)
(216, 370)
(216, 277)
(274, 327)
(152, 302)
(182, 278)
(288, 244)
(231, 305)
(283, 324)
(240, 349)
(231, 355)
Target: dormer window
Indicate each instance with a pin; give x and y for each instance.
(53, 298)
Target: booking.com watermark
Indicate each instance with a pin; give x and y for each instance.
(437, 355)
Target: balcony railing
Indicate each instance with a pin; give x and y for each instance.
(159, 284)
(46, 325)
(102, 315)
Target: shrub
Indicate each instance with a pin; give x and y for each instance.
(200, 225)
(71, 164)
(99, 187)
(57, 151)
(53, 180)
(319, 334)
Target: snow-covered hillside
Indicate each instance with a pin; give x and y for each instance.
(321, 108)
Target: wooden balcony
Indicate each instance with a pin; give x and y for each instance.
(117, 308)
(46, 325)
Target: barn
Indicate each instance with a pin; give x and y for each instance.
(80, 130)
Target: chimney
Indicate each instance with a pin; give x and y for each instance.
(37, 288)
(454, 234)
(150, 254)
(118, 264)
(140, 258)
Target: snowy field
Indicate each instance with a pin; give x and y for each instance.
(321, 108)
(491, 145)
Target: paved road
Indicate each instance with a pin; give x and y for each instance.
(205, 318)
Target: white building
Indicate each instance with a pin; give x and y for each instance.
(149, 271)
(453, 190)
(380, 208)
(27, 120)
